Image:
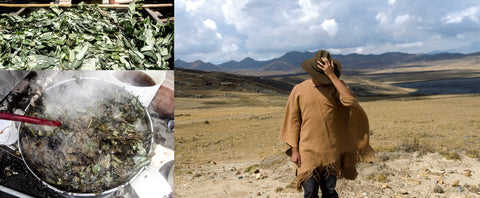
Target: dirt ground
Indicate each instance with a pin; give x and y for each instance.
(397, 174)
(228, 146)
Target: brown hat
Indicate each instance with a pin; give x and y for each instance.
(310, 66)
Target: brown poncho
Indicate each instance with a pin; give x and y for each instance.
(328, 130)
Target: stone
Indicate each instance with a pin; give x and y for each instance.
(468, 173)
(240, 177)
(213, 162)
(384, 186)
(238, 172)
(233, 169)
(195, 174)
(190, 177)
(402, 191)
(440, 181)
(456, 183)
(437, 189)
(260, 176)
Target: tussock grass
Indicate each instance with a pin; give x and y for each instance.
(451, 155)
(251, 168)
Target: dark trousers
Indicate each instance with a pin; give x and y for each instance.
(326, 179)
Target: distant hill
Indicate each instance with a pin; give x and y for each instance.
(190, 83)
(290, 62)
(200, 84)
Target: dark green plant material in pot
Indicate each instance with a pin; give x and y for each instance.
(104, 140)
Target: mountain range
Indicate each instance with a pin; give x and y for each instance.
(290, 62)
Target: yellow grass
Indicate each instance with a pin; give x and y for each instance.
(438, 122)
(246, 126)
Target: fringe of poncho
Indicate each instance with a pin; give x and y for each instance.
(345, 167)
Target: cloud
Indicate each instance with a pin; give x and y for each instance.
(193, 5)
(210, 24)
(235, 15)
(230, 48)
(457, 17)
(310, 10)
(391, 2)
(402, 19)
(379, 48)
(381, 18)
(330, 26)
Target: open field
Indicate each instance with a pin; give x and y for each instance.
(218, 138)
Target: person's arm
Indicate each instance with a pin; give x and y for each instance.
(290, 130)
(339, 85)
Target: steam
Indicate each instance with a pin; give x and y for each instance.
(79, 97)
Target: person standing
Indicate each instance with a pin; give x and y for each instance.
(324, 129)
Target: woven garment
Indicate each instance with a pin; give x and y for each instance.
(328, 130)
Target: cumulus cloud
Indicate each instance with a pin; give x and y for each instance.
(457, 17)
(235, 15)
(391, 2)
(330, 26)
(210, 24)
(193, 5)
(310, 10)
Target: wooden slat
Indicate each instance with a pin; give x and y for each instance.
(168, 19)
(154, 15)
(73, 5)
(19, 11)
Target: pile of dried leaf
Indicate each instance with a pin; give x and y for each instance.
(103, 142)
(86, 38)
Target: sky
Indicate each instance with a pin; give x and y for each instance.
(218, 31)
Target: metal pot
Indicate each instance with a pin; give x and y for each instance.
(35, 172)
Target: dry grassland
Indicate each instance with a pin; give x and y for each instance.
(245, 126)
(242, 127)
(437, 123)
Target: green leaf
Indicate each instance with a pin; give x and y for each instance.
(89, 64)
(82, 53)
(82, 38)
